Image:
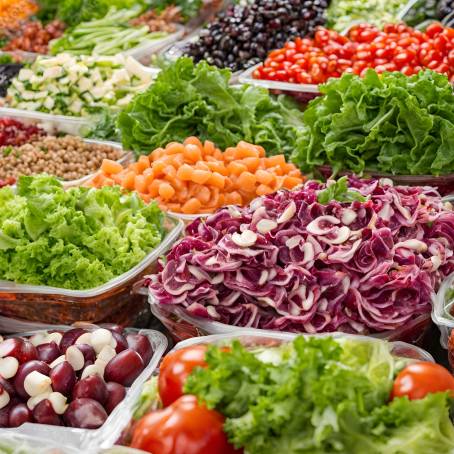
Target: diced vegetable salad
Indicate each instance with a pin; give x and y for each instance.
(77, 85)
(312, 395)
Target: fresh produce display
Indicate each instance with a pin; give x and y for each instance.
(77, 85)
(242, 35)
(353, 255)
(8, 71)
(312, 395)
(76, 239)
(392, 123)
(33, 36)
(68, 158)
(13, 12)
(193, 178)
(342, 14)
(74, 378)
(329, 54)
(197, 100)
(107, 36)
(14, 133)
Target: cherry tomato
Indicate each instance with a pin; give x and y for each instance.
(174, 371)
(419, 379)
(185, 427)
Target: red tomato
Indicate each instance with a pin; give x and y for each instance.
(434, 29)
(422, 378)
(174, 371)
(185, 427)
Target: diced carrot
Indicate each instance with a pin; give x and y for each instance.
(182, 195)
(110, 167)
(264, 177)
(291, 182)
(261, 151)
(169, 173)
(97, 180)
(153, 189)
(246, 150)
(136, 168)
(208, 148)
(166, 191)
(247, 181)
(217, 166)
(117, 178)
(178, 160)
(193, 141)
(277, 160)
(203, 195)
(148, 171)
(149, 178)
(129, 180)
(156, 154)
(146, 197)
(234, 198)
(192, 206)
(175, 148)
(295, 173)
(140, 184)
(174, 207)
(263, 189)
(185, 172)
(216, 180)
(218, 154)
(192, 152)
(214, 199)
(230, 154)
(237, 168)
(143, 163)
(202, 166)
(251, 163)
(279, 183)
(158, 167)
(229, 185)
(200, 176)
(286, 168)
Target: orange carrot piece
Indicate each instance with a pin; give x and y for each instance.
(193, 141)
(291, 182)
(236, 168)
(217, 180)
(174, 148)
(166, 191)
(110, 167)
(185, 172)
(200, 176)
(192, 153)
(143, 163)
(247, 181)
(277, 160)
(264, 177)
(192, 206)
(140, 184)
(251, 163)
(208, 148)
(129, 180)
(263, 189)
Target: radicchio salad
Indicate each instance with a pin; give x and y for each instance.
(351, 255)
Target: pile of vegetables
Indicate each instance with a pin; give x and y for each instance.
(391, 123)
(353, 255)
(16, 133)
(312, 395)
(13, 12)
(74, 378)
(107, 36)
(342, 14)
(75, 239)
(196, 100)
(194, 178)
(329, 54)
(77, 85)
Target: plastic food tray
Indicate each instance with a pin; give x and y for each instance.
(113, 301)
(253, 338)
(87, 440)
(184, 326)
(188, 218)
(13, 443)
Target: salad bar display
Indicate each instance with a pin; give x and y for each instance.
(226, 227)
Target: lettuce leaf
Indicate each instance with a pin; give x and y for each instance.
(197, 100)
(391, 123)
(320, 396)
(75, 239)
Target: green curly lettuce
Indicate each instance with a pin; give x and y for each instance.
(197, 100)
(389, 122)
(76, 239)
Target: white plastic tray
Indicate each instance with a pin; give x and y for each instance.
(87, 440)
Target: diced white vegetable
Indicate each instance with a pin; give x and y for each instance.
(36, 383)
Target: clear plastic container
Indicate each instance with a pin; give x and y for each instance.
(443, 311)
(114, 301)
(76, 126)
(187, 218)
(12, 443)
(182, 326)
(253, 338)
(92, 440)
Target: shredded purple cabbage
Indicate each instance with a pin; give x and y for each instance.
(357, 267)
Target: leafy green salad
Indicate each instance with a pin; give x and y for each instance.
(318, 396)
(75, 239)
